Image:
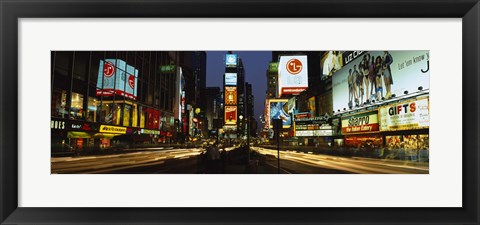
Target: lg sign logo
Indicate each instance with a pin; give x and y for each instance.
(131, 81)
(294, 66)
(108, 69)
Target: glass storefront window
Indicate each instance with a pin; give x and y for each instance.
(142, 116)
(107, 113)
(76, 106)
(117, 115)
(92, 109)
(134, 116)
(127, 110)
(59, 103)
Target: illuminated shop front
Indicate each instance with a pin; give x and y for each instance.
(102, 100)
(405, 126)
(361, 131)
(313, 131)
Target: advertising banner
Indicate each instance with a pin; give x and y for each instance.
(331, 62)
(291, 104)
(231, 60)
(312, 126)
(408, 115)
(230, 79)
(293, 74)
(115, 76)
(360, 123)
(278, 110)
(377, 75)
(230, 115)
(311, 106)
(230, 95)
(113, 129)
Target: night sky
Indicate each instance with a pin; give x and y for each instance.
(255, 64)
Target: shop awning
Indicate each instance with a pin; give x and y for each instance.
(78, 134)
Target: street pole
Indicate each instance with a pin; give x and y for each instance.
(248, 138)
(277, 127)
(278, 150)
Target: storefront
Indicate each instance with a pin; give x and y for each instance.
(405, 127)
(313, 131)
(361, 132)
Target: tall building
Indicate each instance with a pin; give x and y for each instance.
(193, 65)
(213, 103)
(106, 99)
(234, 94)
(250, 112)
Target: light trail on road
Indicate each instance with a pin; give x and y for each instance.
(346, 164)
(108, 163)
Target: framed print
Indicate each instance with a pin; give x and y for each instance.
(239, 112)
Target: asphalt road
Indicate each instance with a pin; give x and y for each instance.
(148, 161)
(188, 161)
(309, 163)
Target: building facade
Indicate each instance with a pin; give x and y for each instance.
(115, 99)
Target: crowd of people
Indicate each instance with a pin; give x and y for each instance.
(365, 83)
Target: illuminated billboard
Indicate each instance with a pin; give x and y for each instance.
(378, 75)
(230, 79)
(115, 76)
(360, 123)
(331, 62)
(407, 115)
(273, 67)
(230, 95)
(230, 115)
(278, 109)
(312, 127)
(292, 74)
(231, 60)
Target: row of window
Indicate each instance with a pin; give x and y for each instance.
(79, 71)
(122, 113)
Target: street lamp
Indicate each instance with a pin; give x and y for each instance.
(248, 135)
(240, 126)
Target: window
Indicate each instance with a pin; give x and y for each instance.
(63, 63)
(117, 115)
(142, 116)
(127, 110)
(80, 67)
(76, 106)
(106, 113)
(59, 103)
(134, 116)
(92, 109)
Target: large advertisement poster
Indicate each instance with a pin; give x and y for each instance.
(293, 74)
(230, 115)
(360, 123)
(378, 75)
(231, 79)
(408, 115)
(331, 62)
(230, 95)
(278, 110)
(115, 76)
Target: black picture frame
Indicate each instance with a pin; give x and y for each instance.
(11, 11)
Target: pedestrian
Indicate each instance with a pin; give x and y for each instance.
(213, 158)
(224, 160)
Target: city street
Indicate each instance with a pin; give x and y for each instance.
(188, 161)
(307, 163)
(158, 112)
